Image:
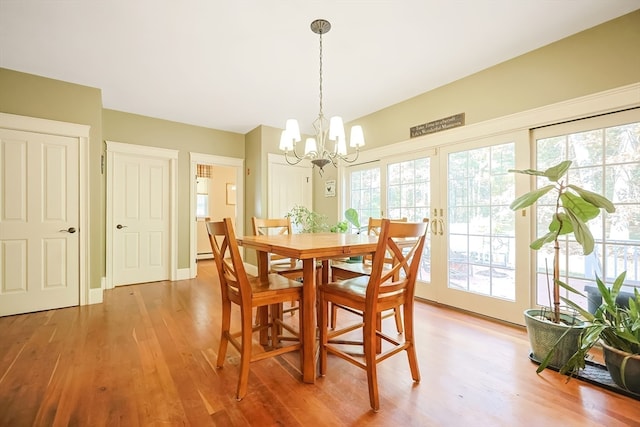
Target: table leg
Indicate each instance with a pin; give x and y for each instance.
(262, 314)
(309, 321)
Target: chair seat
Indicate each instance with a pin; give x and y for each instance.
(276, 282)
(356, 287)
(343, 269)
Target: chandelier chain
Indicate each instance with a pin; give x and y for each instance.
(321, 113)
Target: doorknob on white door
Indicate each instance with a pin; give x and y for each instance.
(70, 230)
(120, 226)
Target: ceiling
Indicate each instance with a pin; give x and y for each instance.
(233, 65)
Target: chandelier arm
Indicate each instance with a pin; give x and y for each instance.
(346, 159)
(287, 156)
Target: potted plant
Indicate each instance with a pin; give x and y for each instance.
(617, 327)
(307, 221)
(553, 334)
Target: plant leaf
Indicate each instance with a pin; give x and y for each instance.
(582, 233)
(541, 241)
(595, 199)
(530, 198)
(352, 216)
(527, 172)
(579, 207)
(555, 225)
(554, 173)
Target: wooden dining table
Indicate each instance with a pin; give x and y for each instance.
(310, 248)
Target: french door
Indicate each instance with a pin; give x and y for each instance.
(465, 190)
(477, 241)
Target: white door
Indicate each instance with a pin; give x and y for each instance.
(140, 218)
(475, 235)
(39, 209)
(288, 186)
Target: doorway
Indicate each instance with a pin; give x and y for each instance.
(217, 191)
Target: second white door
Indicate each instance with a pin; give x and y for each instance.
(141, 219)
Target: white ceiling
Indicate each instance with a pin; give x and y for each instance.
(234, 65)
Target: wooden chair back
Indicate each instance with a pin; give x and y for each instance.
(273, 226)
(234, 282)
(404, 242)
(373, 229)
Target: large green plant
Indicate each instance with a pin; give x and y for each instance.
(617, 326)
(574, 207)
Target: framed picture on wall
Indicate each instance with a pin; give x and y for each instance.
(330, 188)
(231, 194)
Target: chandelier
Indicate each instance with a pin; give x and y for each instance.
(329, 144)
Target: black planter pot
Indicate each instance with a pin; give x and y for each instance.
(623, 367)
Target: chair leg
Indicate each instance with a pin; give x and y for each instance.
(323, 313)
(224, 333)
(411, 350)
(369, 344)
(277, 313)
(334, 315)
(245, 353)
(398, 317)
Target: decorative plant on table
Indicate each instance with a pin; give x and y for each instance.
(351, 217)
(574, 207)
(618, 328)
(307, 220)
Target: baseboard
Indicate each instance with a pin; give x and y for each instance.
(95, 294)
(183, 274)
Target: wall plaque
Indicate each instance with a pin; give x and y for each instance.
(437, 125)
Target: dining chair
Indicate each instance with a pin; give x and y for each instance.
(341, 270)
(384, 289)
(288, 267)
(248, 292)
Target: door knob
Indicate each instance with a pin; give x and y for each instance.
(69, 230)
(120, 226)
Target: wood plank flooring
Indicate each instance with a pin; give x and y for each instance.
(145, 357)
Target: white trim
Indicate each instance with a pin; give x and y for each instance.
(51, 127)
(600, 103)
(95, 295)
(80, 132)
(183, 274)
(210, 159)
(142, 150)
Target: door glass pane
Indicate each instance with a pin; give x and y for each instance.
(365, 194)
(607, 161)
(481, 227)
(408, 196)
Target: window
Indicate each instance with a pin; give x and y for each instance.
(606, 160)
(202, 205)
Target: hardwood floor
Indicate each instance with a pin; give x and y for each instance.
(146, 357)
